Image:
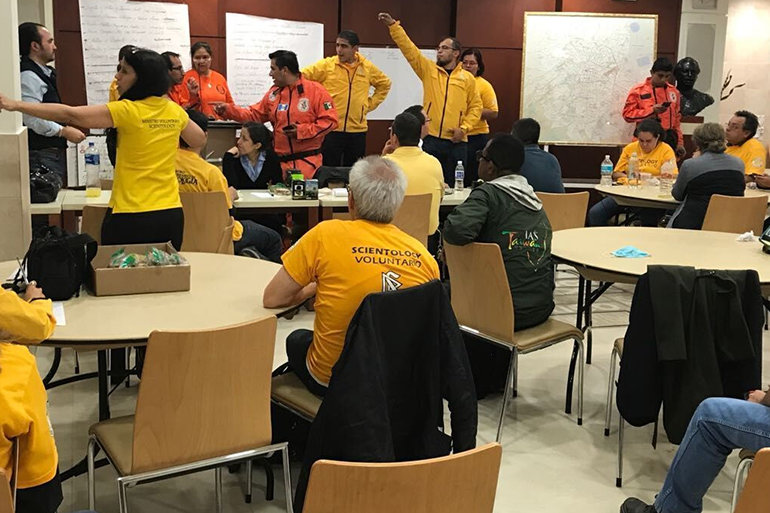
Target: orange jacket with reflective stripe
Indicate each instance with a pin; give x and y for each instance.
(644, 96)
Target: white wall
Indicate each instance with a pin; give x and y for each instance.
(747, 56)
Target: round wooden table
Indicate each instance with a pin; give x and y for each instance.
(649, 196)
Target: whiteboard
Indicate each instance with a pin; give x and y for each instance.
(577, 71)
(108, 25)
(407, 87)
(250, 39)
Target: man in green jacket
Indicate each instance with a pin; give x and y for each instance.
(506, 211)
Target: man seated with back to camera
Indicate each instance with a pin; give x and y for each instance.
(196, 175)
(506, 211)
(540, 168)
(423, 171)
(341, 262)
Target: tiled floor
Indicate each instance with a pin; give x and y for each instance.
(550, 464)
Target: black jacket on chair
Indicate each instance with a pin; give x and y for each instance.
(403, 353)
(692, 334)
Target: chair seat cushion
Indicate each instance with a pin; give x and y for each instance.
(289, 391)
(116, 437)
(545, 334)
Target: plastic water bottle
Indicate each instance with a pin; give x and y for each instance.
(93, 167)
(459, 176)
(606, 170)
(666, 179)
(633, 171)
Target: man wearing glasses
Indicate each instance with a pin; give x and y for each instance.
(178, 92)
(453, 110)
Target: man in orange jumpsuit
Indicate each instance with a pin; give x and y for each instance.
(301, 112)
(656, 98)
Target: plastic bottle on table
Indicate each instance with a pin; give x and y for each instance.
(606, 171)
(93, 183)
(633, 171)
(459, 176)
(666, 179)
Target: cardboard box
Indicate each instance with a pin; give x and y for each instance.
(107, 281)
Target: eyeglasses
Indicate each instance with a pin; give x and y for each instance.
(177, 68)
(480, 156)
(444, 47)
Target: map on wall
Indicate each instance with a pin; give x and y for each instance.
(577, 70)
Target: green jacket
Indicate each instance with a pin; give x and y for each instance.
(490, 214)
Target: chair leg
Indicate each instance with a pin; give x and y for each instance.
(508, 383)
(610, 395)
(621, 426)
(515, 373)
(90, 463)
(128, 367)
(287, 478)
(248, 482)
(77, 363)
(122, 499)
(581, 372)
(218, 487)
(740, 478)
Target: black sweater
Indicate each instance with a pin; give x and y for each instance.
(237, 177)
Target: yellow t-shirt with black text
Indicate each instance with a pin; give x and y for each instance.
(196, 175)
(753, 155)
(349, 260)
(148, 137)
(648, 162)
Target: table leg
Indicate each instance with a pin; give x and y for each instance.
(54, 366)
(326, 213)
(104, 389)
(69, 221)
(587, 305)
(312, 217)
(54, 220)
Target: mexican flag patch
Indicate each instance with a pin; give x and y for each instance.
(327, 105)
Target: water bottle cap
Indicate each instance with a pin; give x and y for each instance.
(460, 162)
(90, 143)
(606, 156)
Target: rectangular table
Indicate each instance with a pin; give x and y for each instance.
(263, 202)
(329, 203)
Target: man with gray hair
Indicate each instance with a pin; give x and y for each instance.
(341, 262)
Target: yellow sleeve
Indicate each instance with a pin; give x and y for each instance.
(301, 260)
(488, 96)
(622, 165)
(25, 323)
(120, 112)
(316, 72)
(473, 109)
(381, 84)
(38, 458)
(114, 95)
(757, 157)
(218, 182)
(419, 63)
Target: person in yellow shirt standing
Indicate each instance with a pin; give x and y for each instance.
(23, 402)
(348, 76)
(196, 175)
(653, 154)
(450, 98)
(341, 262)
(423, 171)
(473, 63)
(740, 132)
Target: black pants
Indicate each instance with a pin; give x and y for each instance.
(343, 148)
(265, 240)
(475, 143)
(44, 498)
(144, 227)
(297, 344)
(448, 153)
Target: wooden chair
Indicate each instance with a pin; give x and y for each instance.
(615, 356)
(753, 498)
(93, 216)
(204, 403)
(735, 214)
(413, 217)
(458, 483)
(746, 457)
(6, 495)
(481, 300)
(289, 392)
(565, 211)
(208, 227)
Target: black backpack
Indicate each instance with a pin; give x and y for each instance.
(58, 261)
(44, 184)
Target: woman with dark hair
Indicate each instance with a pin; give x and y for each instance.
(144, 206)
(206, 86)
(252, 163)
(653, 153)
(710, 172)
(478, 135)
(114, 95)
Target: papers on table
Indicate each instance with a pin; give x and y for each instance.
(263, 195)
(340, 192)
(58, 313)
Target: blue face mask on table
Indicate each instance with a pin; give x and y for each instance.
(629, 252)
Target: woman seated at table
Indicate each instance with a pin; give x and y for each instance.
(252, 163)
(710, 171)
(206, 86)
(144, 206)
(23, 402)
(653, 154)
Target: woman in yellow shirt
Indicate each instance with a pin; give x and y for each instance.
(653, 154)
(473, 63)
(23, 402)
(145, 205)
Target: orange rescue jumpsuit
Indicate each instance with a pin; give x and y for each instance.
(644, 96)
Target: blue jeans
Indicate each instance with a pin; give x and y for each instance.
(601, 213)
(718, 426)
(448, 153)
